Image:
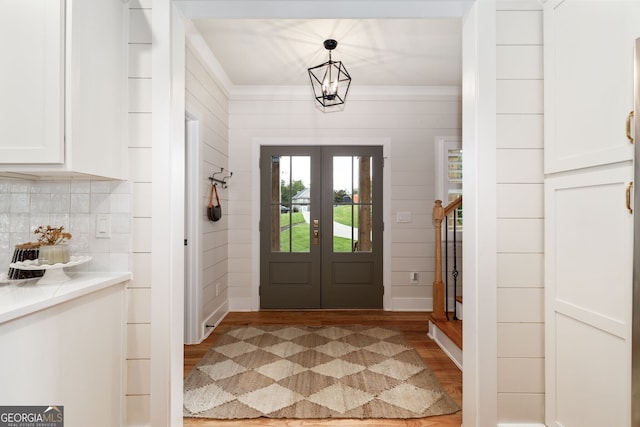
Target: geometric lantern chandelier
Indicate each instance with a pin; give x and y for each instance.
(330, 81)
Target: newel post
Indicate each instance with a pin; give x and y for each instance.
(438, 285)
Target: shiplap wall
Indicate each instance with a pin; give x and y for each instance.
(519, 72)
(207, 102)
(138, 349)
(411, 125)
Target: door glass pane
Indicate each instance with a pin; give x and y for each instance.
(290, 202)
(352, 204)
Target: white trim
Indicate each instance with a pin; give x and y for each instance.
(196, 42)
(213, 320)
(478, 34)
(167, 257)
(519, 5)
(480, 403)
(521, 425)
(242, 304)
(412, 304)
(257, 142)
(359, 93)
(440, 164)
(442, 145)
(193, 277)
(445, 343)
(415, 304)
(283, 9)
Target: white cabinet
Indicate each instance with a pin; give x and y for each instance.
(65, 350)
(589, 57)
(63, 83)
(31, 81)
(589, 81)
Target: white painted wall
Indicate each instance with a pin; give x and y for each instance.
(409, 123)
(411, 127)
(138, 387)
(409, 130)
(520, 269)
(207, 103)
(75, 203)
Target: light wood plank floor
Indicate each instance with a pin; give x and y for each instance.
(413, 324)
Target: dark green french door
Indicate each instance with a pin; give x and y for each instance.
(321, 227)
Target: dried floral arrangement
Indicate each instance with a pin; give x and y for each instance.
(50, 236)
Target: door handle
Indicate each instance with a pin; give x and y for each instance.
(629, 117)
(629, 188)
(316, 231)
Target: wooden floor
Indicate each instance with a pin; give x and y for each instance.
(413, 324)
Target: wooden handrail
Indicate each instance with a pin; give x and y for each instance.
(439, 213)
(453, 205)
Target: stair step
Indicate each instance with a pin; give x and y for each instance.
(451, 343)
(451, 328)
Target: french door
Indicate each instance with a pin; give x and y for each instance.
(321, 227)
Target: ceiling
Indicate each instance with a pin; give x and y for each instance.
(376, 52)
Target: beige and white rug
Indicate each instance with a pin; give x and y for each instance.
(313, 372)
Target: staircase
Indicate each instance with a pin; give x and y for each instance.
(445, 325)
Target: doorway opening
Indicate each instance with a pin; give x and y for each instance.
(192, 241)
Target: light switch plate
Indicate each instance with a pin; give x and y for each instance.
(403, 216)
(103, 226)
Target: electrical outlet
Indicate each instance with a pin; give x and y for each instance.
(103, 226)
(413, 277)
(217, 289)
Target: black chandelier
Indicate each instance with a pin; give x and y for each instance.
(330, 81)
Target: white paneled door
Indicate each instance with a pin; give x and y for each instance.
(589, 245)
(589, 48)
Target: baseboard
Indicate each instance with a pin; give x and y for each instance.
(412, 304)
(521, 425)
(448, 346)
(415, 304)
(240, 304)
(213, 320)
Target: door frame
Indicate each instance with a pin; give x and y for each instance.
(319, 291)
(193, 333)
(168, 27)
(256, 143)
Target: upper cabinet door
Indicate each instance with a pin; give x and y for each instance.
(588, 82)
(31, 81)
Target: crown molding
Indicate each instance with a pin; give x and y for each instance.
(197, 44)
(359, 93)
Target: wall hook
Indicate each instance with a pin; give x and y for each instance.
(222, 181)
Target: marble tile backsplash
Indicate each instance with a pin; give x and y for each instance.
(74, 204)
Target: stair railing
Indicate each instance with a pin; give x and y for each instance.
(440, 288)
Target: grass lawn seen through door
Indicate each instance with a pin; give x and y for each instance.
(293, 224)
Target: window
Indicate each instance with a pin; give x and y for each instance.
(448, 167)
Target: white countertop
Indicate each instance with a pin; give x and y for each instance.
(20, 298)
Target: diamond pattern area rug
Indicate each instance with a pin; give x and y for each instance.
(313, 372)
